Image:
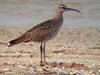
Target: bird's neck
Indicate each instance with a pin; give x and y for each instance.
(59, 15)
(58, 19)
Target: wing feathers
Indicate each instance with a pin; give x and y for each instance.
(39, 30)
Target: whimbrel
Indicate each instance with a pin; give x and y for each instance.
(44, 31)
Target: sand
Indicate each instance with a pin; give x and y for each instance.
(74, 51)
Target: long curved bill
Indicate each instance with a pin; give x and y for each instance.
(71, 9)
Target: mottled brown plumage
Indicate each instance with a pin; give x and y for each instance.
(43, 31)
(40, 33)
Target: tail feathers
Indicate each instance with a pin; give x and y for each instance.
(16, 41)
(11, 43)
(20, 39)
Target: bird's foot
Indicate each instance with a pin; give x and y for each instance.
(43, 63)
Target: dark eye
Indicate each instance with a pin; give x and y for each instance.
(63, 7)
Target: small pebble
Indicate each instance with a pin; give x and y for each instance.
(5, 69)
(93, 65)
(71, 73)
(99, 70)
(32, 70)
(20, 66)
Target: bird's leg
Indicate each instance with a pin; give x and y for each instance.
(44, 57)
(41, 50)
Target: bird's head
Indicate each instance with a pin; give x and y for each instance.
(62, 8)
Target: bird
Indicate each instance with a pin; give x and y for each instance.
(44, 31)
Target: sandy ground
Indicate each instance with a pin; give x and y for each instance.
(75, 51)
